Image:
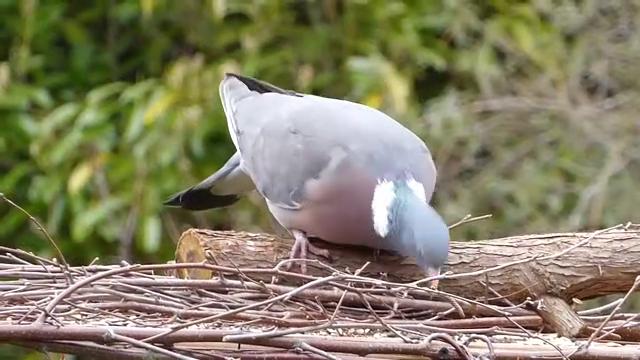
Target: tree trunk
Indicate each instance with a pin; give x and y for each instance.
(598, 263)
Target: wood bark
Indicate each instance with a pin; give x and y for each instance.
(597, 263)
(560, 317)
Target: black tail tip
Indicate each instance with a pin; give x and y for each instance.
(260, 86)
(195, 199)
(174, 201)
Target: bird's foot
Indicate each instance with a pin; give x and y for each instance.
(433, 284)
(317, 251)
(376, 254)
(301, 247)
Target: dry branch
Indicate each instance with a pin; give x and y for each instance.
(598, 263)
(140, 311)
(343, 344)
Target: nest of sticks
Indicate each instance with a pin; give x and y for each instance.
(127, 311)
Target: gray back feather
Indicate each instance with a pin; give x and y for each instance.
(286, 139)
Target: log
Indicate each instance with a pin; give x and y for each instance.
(560, 317)
(566, 265)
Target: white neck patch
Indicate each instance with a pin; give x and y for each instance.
(417, 188)
(383, 197)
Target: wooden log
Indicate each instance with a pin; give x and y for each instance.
(560, 316)
(597, 263)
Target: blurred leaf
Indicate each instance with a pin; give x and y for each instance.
(152, 234)
(147, 7)
(138, 90)
(135, 124)
(62, 150)
(89, 116)
(12, 178)
(79, 177)
(373, 100)
(62, 115)
(101, 93)
(86, 221)
(11, 221)
(107, 105)
(524, 38)
(158, 106)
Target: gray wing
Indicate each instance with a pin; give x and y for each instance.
(286, 139)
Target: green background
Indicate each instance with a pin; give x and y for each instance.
(530, 108)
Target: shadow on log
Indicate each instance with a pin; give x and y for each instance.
(529, 266)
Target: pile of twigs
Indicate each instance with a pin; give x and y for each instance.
(130, 311)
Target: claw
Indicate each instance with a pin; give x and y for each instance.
(318, 251)
(301, 247)
(433, 284)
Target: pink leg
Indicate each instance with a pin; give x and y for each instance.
(430, 273)
(318, 251)
(300, 248)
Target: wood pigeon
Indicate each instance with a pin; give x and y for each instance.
(333, 169)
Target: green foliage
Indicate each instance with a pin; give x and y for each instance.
(107, 107)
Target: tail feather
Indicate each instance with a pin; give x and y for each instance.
(225, 186)
(221, 189)
(259, 86)
(200, 199)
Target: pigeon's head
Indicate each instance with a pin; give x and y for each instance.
(403, 217)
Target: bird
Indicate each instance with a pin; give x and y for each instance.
(328, 168)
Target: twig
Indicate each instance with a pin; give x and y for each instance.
(91, 351)
(64, 262)
(460, 349)
(79, 284)
(621, 326)
(361, 346)
(282, 297)
(382, 322)
(560, 352)
(274, 333)
(306, 347)
(600, 309)
(141, 305)
(483, 338)
(468, 219)
(112, 336)
(615, 310)
(330, 321)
